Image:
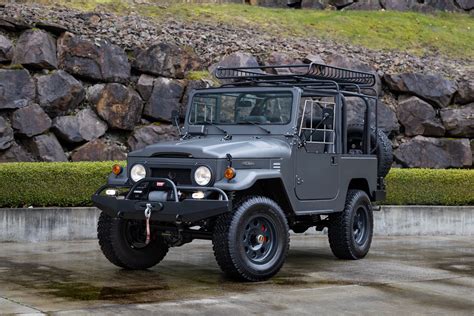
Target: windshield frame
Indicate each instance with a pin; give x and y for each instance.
(246, 129)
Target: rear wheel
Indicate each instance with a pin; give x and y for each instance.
(350, 231)
(123, 243)
(252, 243)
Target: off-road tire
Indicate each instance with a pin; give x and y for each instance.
(118, 251)
(383, 149)
(341, 231)
(229, 243)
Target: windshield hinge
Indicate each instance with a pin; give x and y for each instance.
(227, 136)
(229, 159)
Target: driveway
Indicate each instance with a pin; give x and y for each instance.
(401, 275)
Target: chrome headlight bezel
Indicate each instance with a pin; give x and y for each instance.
(202, 175)
(138, 172)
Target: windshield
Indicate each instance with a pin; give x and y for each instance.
(263, 108)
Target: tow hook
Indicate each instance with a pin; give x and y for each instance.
(147, 217)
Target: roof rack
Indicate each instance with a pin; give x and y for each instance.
(297, 73)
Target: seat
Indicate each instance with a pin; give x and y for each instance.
(318, 136)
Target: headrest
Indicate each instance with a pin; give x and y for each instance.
(256, 119)
(245, 104)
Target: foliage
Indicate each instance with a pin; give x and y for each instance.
(430, 187)
(48, 184)
(72, 184)
(198, 75)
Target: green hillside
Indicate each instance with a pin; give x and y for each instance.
(449, 34)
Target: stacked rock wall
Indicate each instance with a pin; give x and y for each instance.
(430, 119)
(65, 97)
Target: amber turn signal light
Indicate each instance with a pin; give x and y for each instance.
(229, 173)
(117, 169)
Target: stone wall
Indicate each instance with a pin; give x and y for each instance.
(67, 97)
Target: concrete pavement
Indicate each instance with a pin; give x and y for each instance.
(401, 275)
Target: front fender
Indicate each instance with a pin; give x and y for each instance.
(245, 178)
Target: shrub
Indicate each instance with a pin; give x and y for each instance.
(430, 187)
(51, 184)
(72, 184)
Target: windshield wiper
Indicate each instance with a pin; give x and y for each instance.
(226, 135)
(255, 124)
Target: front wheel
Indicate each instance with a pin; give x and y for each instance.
(252, 242)
(123, 243)
(350, 231)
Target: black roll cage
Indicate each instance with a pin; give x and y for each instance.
(313, 78)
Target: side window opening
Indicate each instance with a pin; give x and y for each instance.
(317, 124)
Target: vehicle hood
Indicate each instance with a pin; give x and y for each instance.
(216, 147)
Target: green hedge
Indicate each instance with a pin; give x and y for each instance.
(430, 187)
(51, 184)
(72, 184)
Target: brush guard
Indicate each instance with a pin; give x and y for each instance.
(176, 208)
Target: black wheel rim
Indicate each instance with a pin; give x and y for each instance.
(259, 239)
(360, 226)
(135, 234)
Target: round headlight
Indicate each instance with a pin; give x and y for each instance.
(202, 175)
(137, 172)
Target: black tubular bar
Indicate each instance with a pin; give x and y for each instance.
(295, 82)
(303, 71)
(195, 188)
(175, 188)
(344, 125)
(367, 138)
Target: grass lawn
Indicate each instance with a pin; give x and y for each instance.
(449, 34)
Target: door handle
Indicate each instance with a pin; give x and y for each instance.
(333, 161)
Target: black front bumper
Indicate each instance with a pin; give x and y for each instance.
(187, 210)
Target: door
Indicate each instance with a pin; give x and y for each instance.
(316, 162)
(317, 175)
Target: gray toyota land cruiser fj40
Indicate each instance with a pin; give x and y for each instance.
(269, 152)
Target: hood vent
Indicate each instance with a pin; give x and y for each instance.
(172, 155)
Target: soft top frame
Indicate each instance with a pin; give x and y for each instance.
(313, 78)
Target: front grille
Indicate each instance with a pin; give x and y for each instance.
(178, 176)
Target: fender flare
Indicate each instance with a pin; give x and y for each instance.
(245, 178)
